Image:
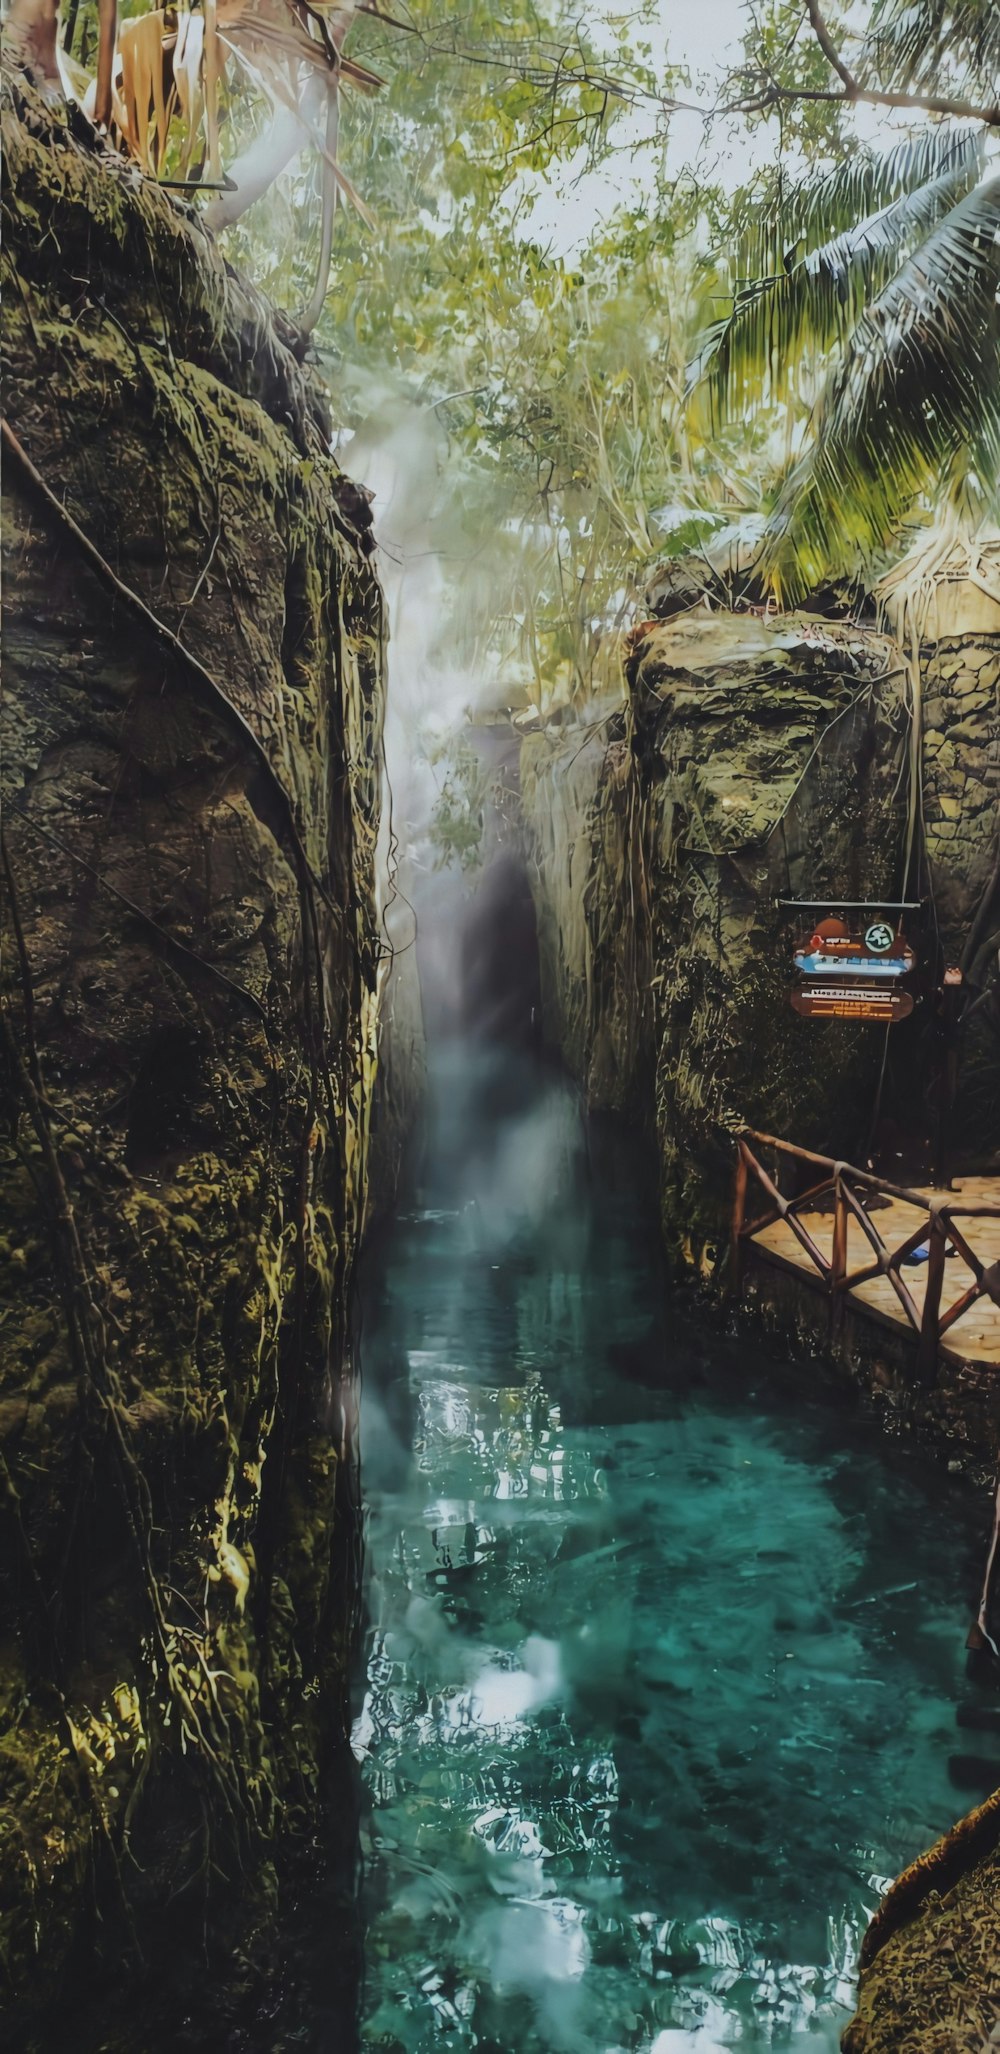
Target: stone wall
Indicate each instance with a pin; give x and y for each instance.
(960, 666)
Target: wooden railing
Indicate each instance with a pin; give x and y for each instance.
(938, 1226)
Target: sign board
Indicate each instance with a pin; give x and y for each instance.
(874, 948)
(878, 1004)
(851, 958)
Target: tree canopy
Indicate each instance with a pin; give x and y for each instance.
(871, 285)
(800, 328)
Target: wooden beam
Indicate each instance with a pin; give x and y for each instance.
(927, 1351)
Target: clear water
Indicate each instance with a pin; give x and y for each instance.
(666, 1644)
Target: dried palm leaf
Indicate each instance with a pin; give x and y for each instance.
(141, 52)
(189, 53)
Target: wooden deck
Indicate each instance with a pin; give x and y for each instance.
(975, 1335)
(909, 1256)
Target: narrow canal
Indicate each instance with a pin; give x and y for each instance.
(665, 1673)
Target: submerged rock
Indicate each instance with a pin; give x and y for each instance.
(930, 1981)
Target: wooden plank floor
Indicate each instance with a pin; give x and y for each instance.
(976, 1336)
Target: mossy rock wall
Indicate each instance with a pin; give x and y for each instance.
(960, 670)
(755, 758)
(578, 794)
(189, 976)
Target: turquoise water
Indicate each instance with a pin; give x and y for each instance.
(666, 1642)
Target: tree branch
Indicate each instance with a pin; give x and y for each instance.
(830, 52)
(548, 67)
(876, 96)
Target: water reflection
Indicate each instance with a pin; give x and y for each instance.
(665, 1651)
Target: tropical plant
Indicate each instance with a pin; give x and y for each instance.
(559, 380)
(869, 295)
(174, 75)
(556, 377)
(272, 73)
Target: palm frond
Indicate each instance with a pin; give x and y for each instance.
(812, 210)
(913, 44)
(918, 387)
(818, 300)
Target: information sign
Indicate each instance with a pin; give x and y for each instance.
(852, 957)
(879, 1004)
(874, 948)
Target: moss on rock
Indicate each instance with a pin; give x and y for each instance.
(756, 758)
(930, 1981)
(189, 965)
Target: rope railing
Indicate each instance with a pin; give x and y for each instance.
(847, 1186)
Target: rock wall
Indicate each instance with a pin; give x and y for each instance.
(755, 759)
(193, 679)
(960, 675)
(402, 1052)
(578, 805)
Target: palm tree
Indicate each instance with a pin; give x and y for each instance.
(874, 288)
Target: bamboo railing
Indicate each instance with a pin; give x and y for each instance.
(939, 1215)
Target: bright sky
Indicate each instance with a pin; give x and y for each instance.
(704, 36)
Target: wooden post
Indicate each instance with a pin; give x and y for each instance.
(738, 1221)
(838, 1255)
(927, 1351)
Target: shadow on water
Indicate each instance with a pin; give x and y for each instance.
(666, 1644)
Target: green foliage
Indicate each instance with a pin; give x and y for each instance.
(863, 298)
(932, 44)
(915, 399)
(822, 254)
(841, 322)
(558, 376)
(784, 74)
(458, 821)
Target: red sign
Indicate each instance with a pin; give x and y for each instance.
(873, 946)
(817, 1000)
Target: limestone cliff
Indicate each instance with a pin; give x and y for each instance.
(754, 759)
(757, 758)
(193, 678)
(948, 626)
